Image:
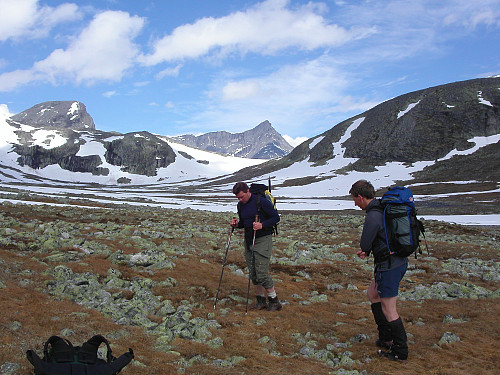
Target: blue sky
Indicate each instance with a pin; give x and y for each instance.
(193, 66)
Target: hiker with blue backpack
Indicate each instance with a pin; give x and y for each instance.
(258, 217)
(384, 217)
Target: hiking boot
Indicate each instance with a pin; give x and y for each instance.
(399, 347)
(393, 356)
(274, 304)
(383, 344)
(260, 305)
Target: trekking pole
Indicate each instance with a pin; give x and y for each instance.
(250, 270)
(223, 264)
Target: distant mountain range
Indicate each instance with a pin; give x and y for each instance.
(58, 132)
(261, 142)
(444, 133)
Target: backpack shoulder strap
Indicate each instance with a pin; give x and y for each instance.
(88, 351)
(258, 203)
(61, 350)
(379, 207)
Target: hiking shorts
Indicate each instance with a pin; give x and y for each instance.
(261, 258)
(388, 281)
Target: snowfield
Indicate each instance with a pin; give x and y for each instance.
(166, 188)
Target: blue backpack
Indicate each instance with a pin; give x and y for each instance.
(402, 228)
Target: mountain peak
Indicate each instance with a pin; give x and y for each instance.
(265, 125)
(261, 142)
(58, 114)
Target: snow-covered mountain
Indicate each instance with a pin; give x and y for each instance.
(261, 142)
(35, 153)
(443, 136)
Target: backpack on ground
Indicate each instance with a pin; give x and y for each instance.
(262, 191)
(60, 357)
(402, 228)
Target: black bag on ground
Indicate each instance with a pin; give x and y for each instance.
(60, 357)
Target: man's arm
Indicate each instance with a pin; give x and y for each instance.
(370, 230)
(271, 216)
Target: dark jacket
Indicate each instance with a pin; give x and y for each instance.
(373, 238)
(268, 216)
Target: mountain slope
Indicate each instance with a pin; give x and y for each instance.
(435, 132)
(261, 142)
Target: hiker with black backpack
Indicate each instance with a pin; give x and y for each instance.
(258, 216)
(389, 271)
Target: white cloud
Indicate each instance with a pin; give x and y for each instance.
(472, 14)
(102, 52)
(24, 18)
(109, 94)
(169, 72)
(11, 80)
(298, 96)
(240, 90)
(265, 28)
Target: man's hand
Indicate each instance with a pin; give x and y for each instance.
(234, 222)
(361, 254)
(257, 225)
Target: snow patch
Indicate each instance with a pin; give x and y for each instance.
(408, 109)
(315, 142)
(481, 100)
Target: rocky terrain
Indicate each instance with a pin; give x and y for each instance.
(146, 278)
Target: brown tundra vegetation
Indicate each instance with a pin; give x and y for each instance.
(172, 259)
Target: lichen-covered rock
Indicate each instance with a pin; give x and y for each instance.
(151, 258)
(448, 338)
(443, 291)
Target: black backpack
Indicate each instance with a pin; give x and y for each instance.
(402, 227)
(60, 357)
(262, 191)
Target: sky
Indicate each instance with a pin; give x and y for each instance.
(195, 66)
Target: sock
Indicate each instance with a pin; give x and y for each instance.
(272, 295)
(384, 329)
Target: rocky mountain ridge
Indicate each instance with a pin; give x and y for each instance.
(425, 125)
(57, 133)
(261, 142)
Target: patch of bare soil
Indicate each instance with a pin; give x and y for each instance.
(268, 342)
